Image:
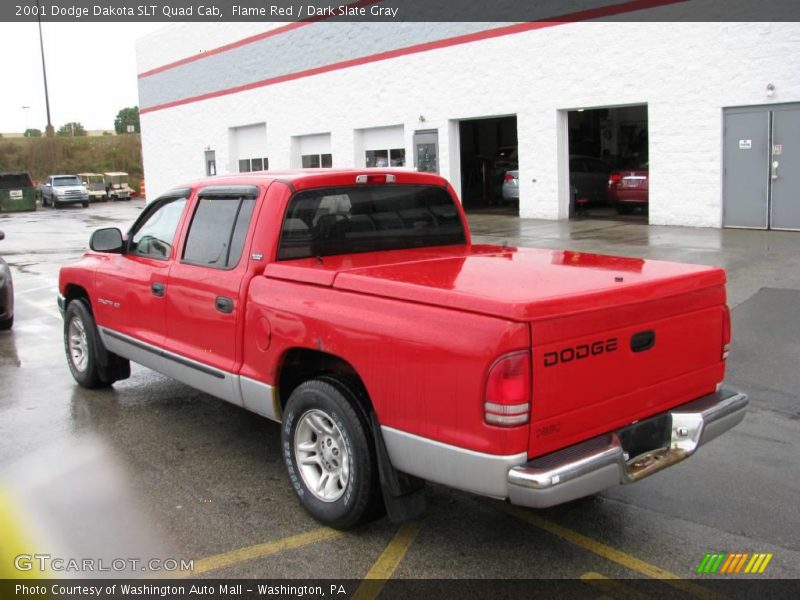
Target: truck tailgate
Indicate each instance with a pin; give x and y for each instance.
(605, 369)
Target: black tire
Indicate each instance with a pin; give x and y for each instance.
(85, 373)
(85, 204)
(6, 324)
(344, 434)
(55, 203)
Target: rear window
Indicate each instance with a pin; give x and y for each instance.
(348, 220)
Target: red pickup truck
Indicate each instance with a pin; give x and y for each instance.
(352, 307)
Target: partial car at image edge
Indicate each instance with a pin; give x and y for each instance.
(6, 294)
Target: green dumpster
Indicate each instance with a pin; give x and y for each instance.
(16, 192)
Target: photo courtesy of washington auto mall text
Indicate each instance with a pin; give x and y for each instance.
(77, 590)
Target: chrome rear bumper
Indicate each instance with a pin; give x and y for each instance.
(601, 462)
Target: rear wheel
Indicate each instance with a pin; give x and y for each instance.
(85, 204)
(6, 324)
(80, 345)
(329, 455)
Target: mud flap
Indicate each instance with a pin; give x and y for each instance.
(403, 494)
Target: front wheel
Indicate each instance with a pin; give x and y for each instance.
(80, 345)
(6, 324)
(85, 204)
(329, 455)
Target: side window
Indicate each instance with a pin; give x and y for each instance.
(153, 237)
(218, 231)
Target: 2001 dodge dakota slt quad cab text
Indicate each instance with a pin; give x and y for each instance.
(353, 308)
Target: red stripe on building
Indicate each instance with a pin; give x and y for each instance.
(248, 40)
(586, 15)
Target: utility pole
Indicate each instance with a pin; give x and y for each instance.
(49, 131)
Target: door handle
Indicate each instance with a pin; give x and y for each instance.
(775, 165)
(223, 304)
(158, 288)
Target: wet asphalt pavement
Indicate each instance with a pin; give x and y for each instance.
(155, 468)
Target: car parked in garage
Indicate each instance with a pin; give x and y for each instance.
(6, 294)
(629, 189)
(511, 186)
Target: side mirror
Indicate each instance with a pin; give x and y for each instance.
(107, 240)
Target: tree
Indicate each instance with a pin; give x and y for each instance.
(71, 129)
(31, 132)
(125, 117)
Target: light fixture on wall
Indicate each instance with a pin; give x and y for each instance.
(422, 118)
(770, 90)
(581, 109)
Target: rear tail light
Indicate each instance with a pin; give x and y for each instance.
(509, 177)
(615, 177)
(726, 331)
(508, 391)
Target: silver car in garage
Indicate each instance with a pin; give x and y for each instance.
(511, 186)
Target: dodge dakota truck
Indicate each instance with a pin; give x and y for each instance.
(353, 308)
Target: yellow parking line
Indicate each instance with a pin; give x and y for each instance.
(387, 563)
(611, 588)
(612, 554)
(226, 559)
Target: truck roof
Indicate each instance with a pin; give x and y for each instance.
(309, 178)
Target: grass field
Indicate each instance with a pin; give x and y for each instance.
(45, 156)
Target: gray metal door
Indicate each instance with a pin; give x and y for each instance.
(426, 150)
(745, 180)
(785, 168)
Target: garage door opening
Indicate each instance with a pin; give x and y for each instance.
(489, 156)
(609, 163)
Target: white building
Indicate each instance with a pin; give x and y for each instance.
(221, 98)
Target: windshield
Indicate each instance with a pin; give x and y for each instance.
(65, 181)
(346, 220)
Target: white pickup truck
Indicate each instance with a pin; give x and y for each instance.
(58, 190)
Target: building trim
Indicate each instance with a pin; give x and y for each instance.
(586, 15)
(244, 41)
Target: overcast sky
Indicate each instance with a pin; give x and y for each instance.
(91, 73)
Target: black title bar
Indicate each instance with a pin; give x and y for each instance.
(399, 10)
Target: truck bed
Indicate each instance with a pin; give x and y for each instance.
(591, 320)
